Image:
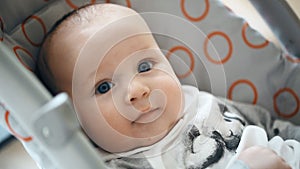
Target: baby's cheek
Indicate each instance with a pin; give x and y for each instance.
(173, 93)
(109, 113)
(166, 80)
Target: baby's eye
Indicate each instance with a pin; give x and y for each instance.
(104, 87)
(145, 66)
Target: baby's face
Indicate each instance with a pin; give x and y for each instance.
(123, 88)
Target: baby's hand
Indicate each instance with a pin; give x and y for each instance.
(257, 157)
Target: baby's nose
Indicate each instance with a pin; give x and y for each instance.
(137, 91)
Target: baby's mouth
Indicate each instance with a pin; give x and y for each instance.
(149, 115)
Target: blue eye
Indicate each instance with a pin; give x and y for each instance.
(104, 87)
(144, 66)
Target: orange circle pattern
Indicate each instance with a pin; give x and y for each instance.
(26, 139)
(127, 1)
(255, 46)
(276, 107)
(24, 31)
(16, 48)
(195, 19)
(291, 59)
(190, 54)
(229, 54)
(172, 50)
(72, 5)
(247, 82)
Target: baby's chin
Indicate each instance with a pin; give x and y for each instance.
(124, 146)
(151, 139)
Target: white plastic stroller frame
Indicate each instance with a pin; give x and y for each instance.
(54, 126)
(47, 125)
(282, 15)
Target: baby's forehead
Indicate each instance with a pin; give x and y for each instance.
(81, 21)
(77, 26)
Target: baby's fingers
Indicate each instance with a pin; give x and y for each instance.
(284, 164)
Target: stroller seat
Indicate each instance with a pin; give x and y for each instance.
(207, 44)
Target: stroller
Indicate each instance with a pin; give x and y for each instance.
(207, 44)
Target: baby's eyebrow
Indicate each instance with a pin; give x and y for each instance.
(95, 76)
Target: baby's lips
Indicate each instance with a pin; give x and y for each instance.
(146, 110)
(149, 116)
(159, 99)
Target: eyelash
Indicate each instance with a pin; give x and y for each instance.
(105, 86)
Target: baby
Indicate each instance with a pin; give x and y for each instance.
(130, 103)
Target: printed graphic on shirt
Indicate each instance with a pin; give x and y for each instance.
(209, 144)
